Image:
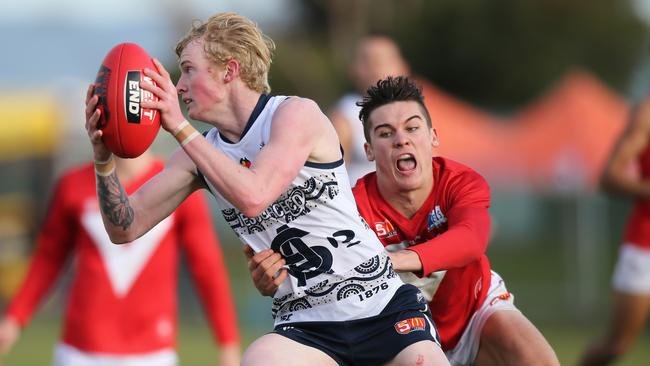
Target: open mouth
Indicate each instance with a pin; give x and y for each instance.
(187, 101)
(406, 162)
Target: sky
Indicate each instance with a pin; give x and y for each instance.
(111, 13)
(48, 42)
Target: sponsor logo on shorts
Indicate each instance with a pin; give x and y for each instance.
(505, 296)
(410, 325)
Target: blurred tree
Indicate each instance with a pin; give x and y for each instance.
(497, 54)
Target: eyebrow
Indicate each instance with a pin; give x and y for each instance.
(389, 126)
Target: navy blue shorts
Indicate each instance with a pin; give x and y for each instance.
(370, 341)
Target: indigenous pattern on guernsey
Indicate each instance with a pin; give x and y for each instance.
(294, 203)
(361, 282)
(338, 269)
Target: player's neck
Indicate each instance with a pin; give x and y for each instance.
(240, 107)
(406, 201)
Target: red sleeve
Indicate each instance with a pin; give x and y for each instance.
(468, 221)
(206, 264)
(53, 245)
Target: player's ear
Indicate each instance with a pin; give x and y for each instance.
(370, 155)
(232, 68)
(434, 138)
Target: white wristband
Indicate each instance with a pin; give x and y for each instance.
(190, 138)
(180, 127)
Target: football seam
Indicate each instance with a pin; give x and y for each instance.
(120, 97)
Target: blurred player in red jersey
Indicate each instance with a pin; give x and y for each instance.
(121, 308)
(631, 279)
(432, 215)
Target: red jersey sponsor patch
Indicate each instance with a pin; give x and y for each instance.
(385, 229)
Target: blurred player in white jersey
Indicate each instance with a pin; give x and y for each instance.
(375, 57)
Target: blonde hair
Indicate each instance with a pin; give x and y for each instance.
(229, 36)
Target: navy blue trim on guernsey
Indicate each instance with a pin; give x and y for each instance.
(259, 107)
(331, 165)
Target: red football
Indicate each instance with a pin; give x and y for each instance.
(128, 129)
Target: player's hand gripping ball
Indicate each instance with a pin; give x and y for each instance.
(128, 129)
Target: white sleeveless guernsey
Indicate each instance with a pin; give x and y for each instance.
(338, 269)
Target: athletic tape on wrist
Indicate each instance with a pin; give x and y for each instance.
(180, 127)
(190, 138)
(186, 134)
(105, 168)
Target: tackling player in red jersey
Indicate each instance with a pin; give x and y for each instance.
(121, 306)
(432, 215)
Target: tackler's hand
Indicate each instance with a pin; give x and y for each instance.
(266, 269)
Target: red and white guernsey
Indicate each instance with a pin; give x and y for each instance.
(638, 226)
(450, 231)
(122, 298)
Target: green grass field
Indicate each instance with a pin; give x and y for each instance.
(197, 348)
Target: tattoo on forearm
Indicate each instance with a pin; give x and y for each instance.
(113, 201)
